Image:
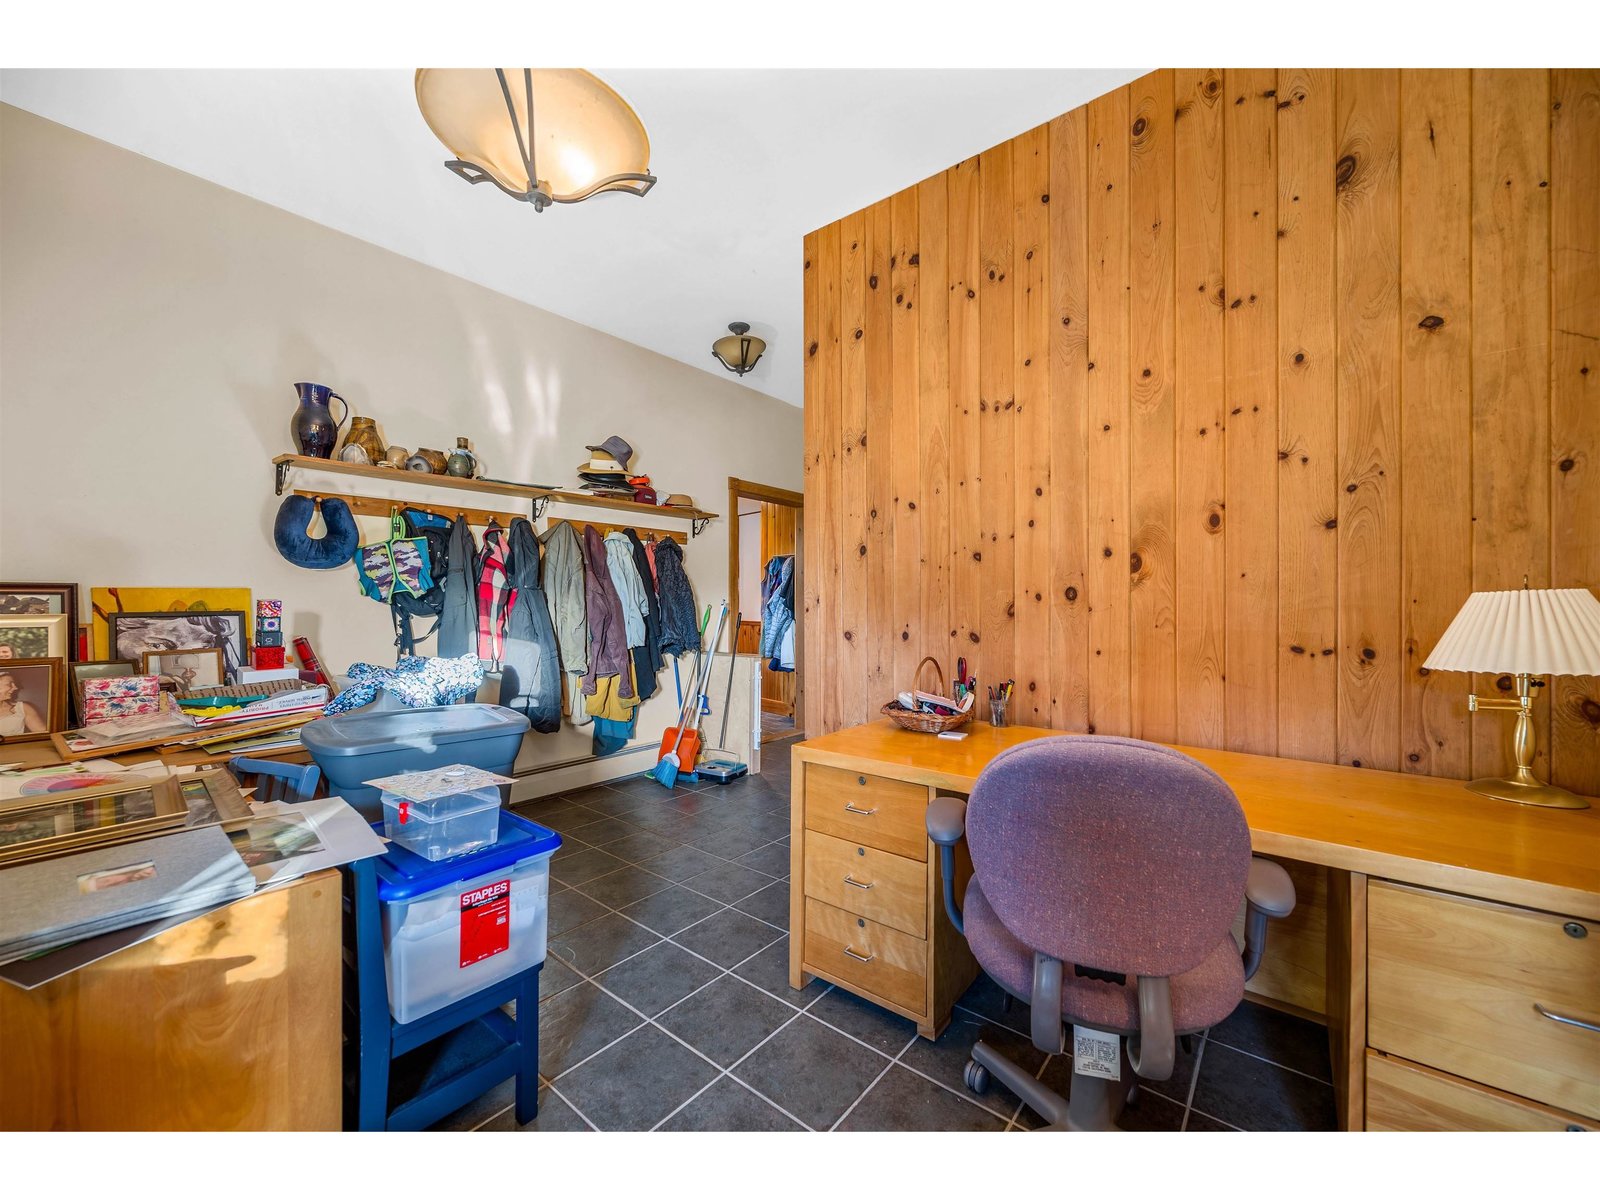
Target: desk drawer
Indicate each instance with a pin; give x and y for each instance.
(1452, 984)
(866, 955)
(869, 810)
(875, 884)
(1403, 1097)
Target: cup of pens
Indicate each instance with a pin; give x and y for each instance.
(999, 698)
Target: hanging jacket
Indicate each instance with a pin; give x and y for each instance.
(630, 588)
(458, 619)
(494, 594)
(777, 611)
(608, 638)
(648, 659)
(530, 666)
(679, 633)
(563, 590)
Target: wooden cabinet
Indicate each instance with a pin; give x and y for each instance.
(866, 895)
(1474, 989)
(1405, 1097)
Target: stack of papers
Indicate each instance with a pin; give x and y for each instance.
(58, 901)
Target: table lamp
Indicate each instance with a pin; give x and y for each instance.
(1527, 633)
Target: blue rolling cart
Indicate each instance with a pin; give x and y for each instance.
(407, 1076)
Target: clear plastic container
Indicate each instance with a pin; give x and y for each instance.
(454, 928)
(445, 827)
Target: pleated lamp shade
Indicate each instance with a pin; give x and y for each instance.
(1533, 631)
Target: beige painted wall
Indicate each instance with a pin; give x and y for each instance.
(151, 325)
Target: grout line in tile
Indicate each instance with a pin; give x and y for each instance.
(582, 1116)
(1194, 1080)
(1271, 1062)
(887, 1067)
(770, 1102)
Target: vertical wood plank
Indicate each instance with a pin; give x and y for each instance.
(1308, 506)
(1510, 367)
(1199, 398)
(1032, 482)
(1251, 450)
(1110, 655)
(997, 407)
(966, 497)
(853, 635)
(1436, 406)
(933, 421)
(1575, 401)
(878, 447)
(905, 633)
(823, 694)
(1069, 454)
(813, 666)
(1369, 360)
(1152, 449)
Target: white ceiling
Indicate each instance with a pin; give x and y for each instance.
(749, 161)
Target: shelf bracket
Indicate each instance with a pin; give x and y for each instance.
(281, 470)
(697, 525)
(540, 503)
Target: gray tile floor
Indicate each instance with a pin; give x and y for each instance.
(665, 1001)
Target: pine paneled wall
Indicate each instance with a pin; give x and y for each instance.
(1200, 409)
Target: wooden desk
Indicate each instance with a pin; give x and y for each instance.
(1530, 879)
(230, 1021)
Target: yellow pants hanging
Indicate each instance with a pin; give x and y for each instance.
(607, 703)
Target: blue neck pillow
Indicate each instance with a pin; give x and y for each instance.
(333, 549)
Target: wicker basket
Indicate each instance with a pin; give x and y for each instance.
(922, 722)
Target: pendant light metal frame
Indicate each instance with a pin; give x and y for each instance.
(539, 194)
(740, 330)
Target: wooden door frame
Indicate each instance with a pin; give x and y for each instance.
(744, 489)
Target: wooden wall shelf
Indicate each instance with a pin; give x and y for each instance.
(539, 497)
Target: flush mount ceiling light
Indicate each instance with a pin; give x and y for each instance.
(739, 352)
(544, 136)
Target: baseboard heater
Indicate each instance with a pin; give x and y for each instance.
(583, 760)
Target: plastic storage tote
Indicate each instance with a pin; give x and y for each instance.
(369, 745)
(453, 927)
(446, 826)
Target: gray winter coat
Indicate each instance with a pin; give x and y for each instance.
(458, 620)
(530, 670)
(563, 590)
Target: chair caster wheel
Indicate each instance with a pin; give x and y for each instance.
(976, 1078)
(1133, 1096)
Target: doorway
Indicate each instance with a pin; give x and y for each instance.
(764, 546)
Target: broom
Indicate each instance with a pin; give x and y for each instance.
(668, 766)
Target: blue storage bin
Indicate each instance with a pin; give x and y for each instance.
(454, 927)
(354, 747)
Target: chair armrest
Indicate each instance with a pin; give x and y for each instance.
(947, 820)
(947, 825)
(1151, 1054)
(1268, 895)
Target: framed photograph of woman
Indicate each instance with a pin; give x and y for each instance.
(43, 599)
(33, 698)
(133, 635)
(189, 669)
(34, 635)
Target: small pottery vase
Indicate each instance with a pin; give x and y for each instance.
(426, 460)
(315, 430)
(363, 436)
(462, 463)
(395, 457)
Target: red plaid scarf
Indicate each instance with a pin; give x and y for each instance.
(495, 596)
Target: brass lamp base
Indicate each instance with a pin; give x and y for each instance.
(1543, 795)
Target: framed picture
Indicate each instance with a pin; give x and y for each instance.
(79, 673)
(43, 826)
(34, 635)
(190, 669)
(135, 634)
(33, 698)
(106, 602)
(43, 599)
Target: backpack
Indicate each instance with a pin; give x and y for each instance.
(434, 532)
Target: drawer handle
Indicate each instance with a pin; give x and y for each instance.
(859, 957)
(856, 883)
(860, 812)
(1545, 1012)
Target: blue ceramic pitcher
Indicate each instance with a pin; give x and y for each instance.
(314, 427)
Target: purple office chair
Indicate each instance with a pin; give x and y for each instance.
(1106, 876)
